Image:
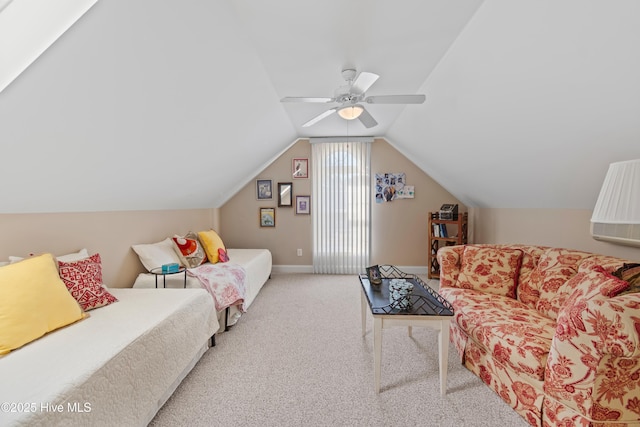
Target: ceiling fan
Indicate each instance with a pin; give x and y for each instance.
(352, 96)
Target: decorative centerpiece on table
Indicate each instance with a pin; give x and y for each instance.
(400, 293)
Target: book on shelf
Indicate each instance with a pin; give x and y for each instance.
(436, 230)
(443, 230)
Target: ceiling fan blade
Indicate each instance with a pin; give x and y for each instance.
(367, 120)
(395, 99)
(306, 99)
(363, 82)
(319, 117)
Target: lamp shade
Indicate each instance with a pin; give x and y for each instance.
(616, 215)
(351, 112)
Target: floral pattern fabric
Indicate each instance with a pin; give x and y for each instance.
(491, 270)
(555, 267)
(523, 394)
(594, 365)
(516, 335)
(449, 260)
(226, 282)
(566, 350)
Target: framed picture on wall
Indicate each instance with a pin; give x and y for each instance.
(267, 217)
(300, 168)
(303, 205)
(264, 189)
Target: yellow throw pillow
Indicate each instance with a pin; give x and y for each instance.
(33, 302)
(211, 242)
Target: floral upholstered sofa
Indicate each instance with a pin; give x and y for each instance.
(554, 332)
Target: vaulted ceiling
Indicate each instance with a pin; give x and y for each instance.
(162, 105)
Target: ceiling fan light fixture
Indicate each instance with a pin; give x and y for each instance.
(351, 112)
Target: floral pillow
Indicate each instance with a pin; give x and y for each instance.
(491, 270)
(83, 279)
(189, 250)
(630, 273)
(551, 277)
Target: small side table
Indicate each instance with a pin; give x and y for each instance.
(158, 272)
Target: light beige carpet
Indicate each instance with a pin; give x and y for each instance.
(298, 358)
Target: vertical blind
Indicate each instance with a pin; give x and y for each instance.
(341, 207)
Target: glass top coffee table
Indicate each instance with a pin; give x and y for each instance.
(426, 308)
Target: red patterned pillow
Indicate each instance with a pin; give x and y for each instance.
(491, 270)
(189, 250)
(83, 279)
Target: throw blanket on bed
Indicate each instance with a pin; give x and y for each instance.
(224, 281)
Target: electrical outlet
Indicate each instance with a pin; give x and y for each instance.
(299, 252)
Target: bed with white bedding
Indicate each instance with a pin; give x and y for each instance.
(116, 367)
(256, 264)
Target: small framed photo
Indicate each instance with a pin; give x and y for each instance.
(267, 217)
(373, 273)
(300, 168)
(285, 194)
(303, 205)
(264, 189)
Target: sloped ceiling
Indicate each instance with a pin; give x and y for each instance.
(155, 105)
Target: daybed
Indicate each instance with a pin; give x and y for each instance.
(115, 365)
(550, 330)
(233, 281)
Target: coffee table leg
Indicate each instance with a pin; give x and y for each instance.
(377, 350)
(410, 331)
(443, 349)
(363, 304)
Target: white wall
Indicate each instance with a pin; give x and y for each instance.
(565, 228)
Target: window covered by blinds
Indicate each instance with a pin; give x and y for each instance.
(342, 206)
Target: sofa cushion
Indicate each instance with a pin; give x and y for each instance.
(585, 285)
(609, 263)
(516, 335)
(555, 267)
(33, 302)
(526, 292)
(490, 270)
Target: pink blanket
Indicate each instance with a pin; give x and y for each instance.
(224, 281)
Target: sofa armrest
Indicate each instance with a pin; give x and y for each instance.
(449, 258)
(593, 366)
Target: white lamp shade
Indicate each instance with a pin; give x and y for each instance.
(351, 112)
(619, 199)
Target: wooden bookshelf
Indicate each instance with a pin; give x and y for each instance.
(456, 234)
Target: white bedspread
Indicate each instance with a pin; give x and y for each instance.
(256, 263)
(116, 367)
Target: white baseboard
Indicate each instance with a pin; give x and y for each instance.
(285, 269)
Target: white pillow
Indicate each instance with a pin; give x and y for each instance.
(3, 263)
(81, 254)
(154, 255)
(76, 256)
